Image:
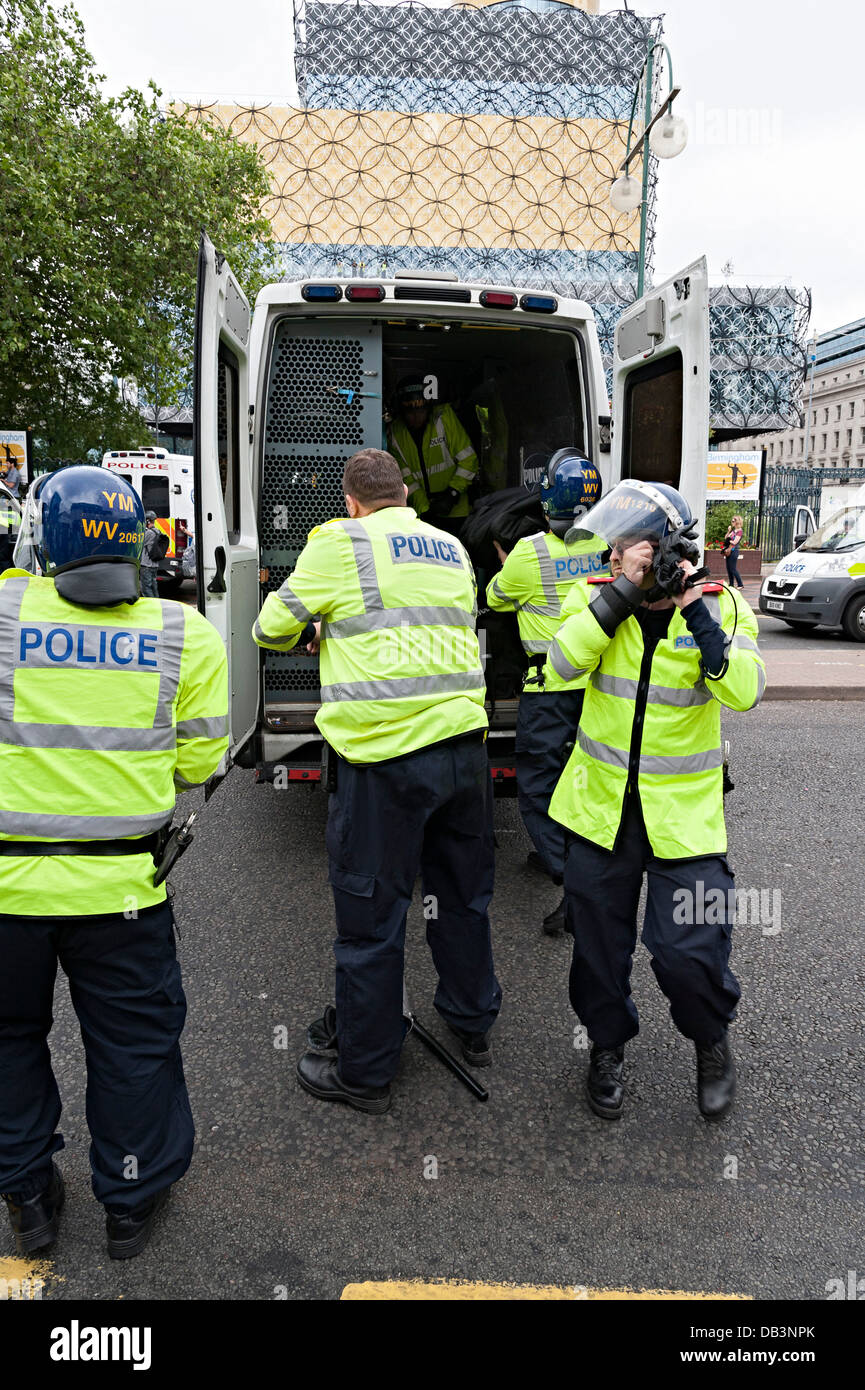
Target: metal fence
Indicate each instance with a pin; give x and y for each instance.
(784, 490)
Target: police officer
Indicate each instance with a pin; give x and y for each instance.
(643, 789)
(9, 520)
(107, 704)
(150, 558)
(436, 456)
(402, 709)
(534, 581)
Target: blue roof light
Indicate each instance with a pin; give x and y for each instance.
(539, 303)
(320, 292)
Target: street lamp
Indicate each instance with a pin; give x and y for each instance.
(664, 134)
(812, 357)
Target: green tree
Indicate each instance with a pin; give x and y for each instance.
(103, 200)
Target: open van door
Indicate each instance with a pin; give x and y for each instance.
(661, 387)
(226, 536)
(803, 525)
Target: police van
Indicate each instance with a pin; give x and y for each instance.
(822, 583)
(164, 482)
(284, 395)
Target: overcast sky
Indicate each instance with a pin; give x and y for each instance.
(771, 180)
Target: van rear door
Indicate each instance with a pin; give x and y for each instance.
(226, 535)
(661, 387)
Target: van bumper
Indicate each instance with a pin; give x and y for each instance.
(817, 601)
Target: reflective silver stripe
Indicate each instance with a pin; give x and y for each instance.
(536, 646)
(405, 687)
(505, 598)
(742, 640)
(464, 473)
(94, 737)
(365, 562)
(547, 567)
(213, 726)
(658, 694)
(182, 784)
(444, 466)
(297, 609)
(42, 826)
(263, 636)
(465, 454)
(441, 440)
(562, 666)
(398, 617)
(602, 752)
(713, 603)
(11, 598)
(761, 686)
(625, 688)
(173, 633)
(673, 765)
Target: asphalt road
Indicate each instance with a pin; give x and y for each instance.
(290, 1197)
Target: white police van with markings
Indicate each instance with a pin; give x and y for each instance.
(163, 481)
(284, 396)
(822, 582)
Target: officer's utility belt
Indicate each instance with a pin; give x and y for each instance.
(148, 844)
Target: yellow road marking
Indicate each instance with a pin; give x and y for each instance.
(450, 1289)
(23, 1277)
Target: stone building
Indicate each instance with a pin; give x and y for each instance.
(834, 436)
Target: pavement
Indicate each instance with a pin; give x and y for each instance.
(821, 665)
(288, 1197)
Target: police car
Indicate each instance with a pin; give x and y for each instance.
(822, 583)
(284, 396)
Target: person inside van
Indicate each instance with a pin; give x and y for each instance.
(435, 455)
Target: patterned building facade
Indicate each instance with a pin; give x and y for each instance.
(483, 138)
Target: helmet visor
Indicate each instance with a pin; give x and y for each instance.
(633, 511)
(28, 547)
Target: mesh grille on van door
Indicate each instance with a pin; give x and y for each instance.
(309, 434)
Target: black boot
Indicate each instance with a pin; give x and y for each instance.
(605, 1085)
(321, 1033)
(475, 1047)
(716, 1079)
(320, 1076)
(129, 1233)
(35, 1220)
(554, 922)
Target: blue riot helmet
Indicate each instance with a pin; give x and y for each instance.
(634, 511)
(570, 486)
(84, 528)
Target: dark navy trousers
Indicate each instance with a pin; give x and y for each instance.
(546, 722)
(124, 982)
(430, 812)
(687, 931)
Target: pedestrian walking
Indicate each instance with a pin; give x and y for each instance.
(730, 551)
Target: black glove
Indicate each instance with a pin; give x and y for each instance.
(442, 503)
(614, 602)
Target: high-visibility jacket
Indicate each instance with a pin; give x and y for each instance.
(400, 664)
(449, 458)
(655, 726)
(103, 713)
(534, 582)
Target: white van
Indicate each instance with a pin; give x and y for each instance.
(164, 482)
(822, 583)
(283, 397)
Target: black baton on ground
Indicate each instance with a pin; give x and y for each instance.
(447, 1058)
